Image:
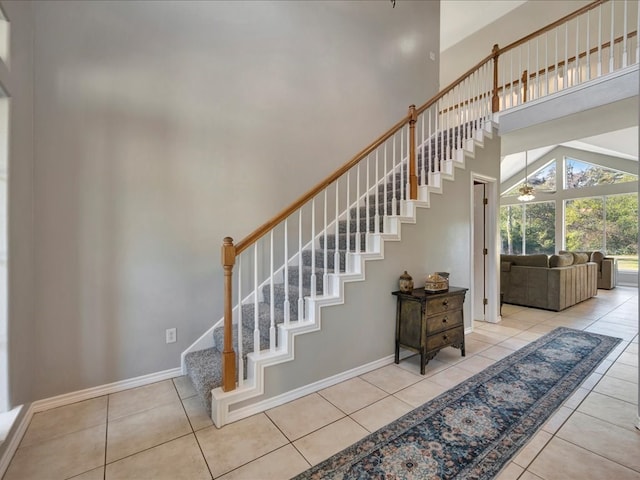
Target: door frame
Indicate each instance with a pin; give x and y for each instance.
(492, 311)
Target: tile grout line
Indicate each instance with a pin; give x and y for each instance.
(193, 432)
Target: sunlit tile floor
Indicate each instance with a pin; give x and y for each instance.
(161, 431)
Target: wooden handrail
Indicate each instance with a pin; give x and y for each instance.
(254, 236)
(453, 84)
(552, 68)
(551, 26)
(593, 50)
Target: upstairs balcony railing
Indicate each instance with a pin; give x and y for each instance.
(596, 40)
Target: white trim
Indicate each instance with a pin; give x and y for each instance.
(291, 395)
(574, 88)
(80, 395)
(14, 440)
(74, 397)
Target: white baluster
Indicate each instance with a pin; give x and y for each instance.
(367, 206)
(458, 142)
(557, 71)
(313, 249)
(240, 352)
(520, 71)
(612, 37)
(256, 311)
(386, 172)
(512, 91)
(576, 80)
(599, 68)
(336, 253)
(300, 292)
(430, 157)
(528, 69)
(272, 306)
(546, 63)
(535, 93)
(376, 217)
(348, 236)
(286, 305)
(325, 274)
(588, 49)
(401, 164)
(357, 239)
(624, 38)
(436, 157)
(424, 158)
(565, 75)
(394, 208)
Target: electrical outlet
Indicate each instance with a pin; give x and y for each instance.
(171, 335)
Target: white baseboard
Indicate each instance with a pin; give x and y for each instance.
(73, 397)
(307, 389)
(80, 395)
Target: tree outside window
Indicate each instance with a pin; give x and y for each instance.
(528, 228)
(608, 223)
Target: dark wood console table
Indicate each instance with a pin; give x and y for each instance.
(428, 322)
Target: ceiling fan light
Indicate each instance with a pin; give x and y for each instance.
(526, 193)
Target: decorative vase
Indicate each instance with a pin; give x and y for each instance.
(406, 282)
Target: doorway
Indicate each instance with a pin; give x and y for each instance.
(484, 250)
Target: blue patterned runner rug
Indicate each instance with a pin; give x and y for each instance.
(473, 430)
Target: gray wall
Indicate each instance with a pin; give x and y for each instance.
(18, 83)
(439, 241)
(161, 127)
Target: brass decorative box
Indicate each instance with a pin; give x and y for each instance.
(436, 283)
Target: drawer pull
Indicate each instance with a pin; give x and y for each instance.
(444, 320)
(444, 337)
(445, 302)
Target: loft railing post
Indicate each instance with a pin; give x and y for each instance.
(525, 80)
(495, 99)
(413, 179)
(228, 354)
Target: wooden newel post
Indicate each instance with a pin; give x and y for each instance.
(525, 80)
(495, 99)
(228, 354)
(413, 178)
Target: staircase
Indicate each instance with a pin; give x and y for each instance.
(376, 217)
(286, 301)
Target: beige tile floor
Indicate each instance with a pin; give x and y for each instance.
(161, 431)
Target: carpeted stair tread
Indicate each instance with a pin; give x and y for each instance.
(382, 209)
(247, 338)
(306, 259)
(204, 368)
(342, 241)
(307, 271)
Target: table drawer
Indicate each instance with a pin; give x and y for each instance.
(444, 304)
(445, 338)
(444, 321)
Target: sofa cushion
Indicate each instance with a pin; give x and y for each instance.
(538, 260)
(597, 257)
(580, 258)
(561, 260)
(505, 266)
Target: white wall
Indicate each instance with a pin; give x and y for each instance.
(161, 127)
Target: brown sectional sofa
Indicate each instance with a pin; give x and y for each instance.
(553, 283)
